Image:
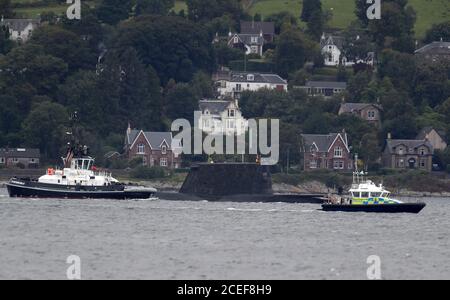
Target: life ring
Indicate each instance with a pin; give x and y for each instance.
(50, 171)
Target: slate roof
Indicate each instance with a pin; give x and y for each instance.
(257, 27)
(435, 48)
(322, 141)
(351, 107)
(154, 138)
(410, 144)
(326, 84)
(19, 24)
(20, 153)
(214, 107)
(258, 78)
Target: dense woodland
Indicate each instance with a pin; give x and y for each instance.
(138, 61)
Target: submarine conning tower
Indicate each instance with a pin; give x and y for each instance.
(227, 179)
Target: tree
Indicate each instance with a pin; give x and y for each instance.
(180, 102)
(66, 45)
(315, 25)
(154, 7)
(438, 32)
(114, 11)
(5, 43)
(206, 10)
(44, 128)
(6, 9)
(282, 21)
(399, 67)
(293, 50)
(176, 48)
(310, 7)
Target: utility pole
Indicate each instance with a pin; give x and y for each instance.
(287, 164)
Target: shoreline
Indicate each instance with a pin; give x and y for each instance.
(307, 187)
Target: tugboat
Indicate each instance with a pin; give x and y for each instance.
(79, 179)
(366, 196)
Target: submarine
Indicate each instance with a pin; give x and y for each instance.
(233, 182)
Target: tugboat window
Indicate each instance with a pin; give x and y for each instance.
(364, 195)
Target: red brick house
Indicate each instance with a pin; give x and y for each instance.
(326, 151)
(155, 148)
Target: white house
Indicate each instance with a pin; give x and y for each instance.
(332, 51)
(221, 117)
(232, 84)
(20, 29)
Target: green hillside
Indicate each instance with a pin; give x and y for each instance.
(428, 12)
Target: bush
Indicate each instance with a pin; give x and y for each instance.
(148, 172)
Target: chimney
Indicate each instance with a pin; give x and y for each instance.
(389, 137)
(129, 128)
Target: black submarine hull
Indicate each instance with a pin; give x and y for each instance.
(234, 182)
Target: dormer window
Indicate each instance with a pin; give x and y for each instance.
(164, 149)
(236, 40)
(141, 149)
(250, 77)
(254, 39)
(422, 151)
(231, 113)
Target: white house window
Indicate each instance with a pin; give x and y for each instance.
(371, 114)
(231, 113)
(141, 149)
(236, 40)
(338, 152)
(313, 164)
(164, 149)
(250, 77)
(254, 39)
(231, 124)
(238, 87)
(163, 162)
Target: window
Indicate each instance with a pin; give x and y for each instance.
(254, 49)
(231, 124)
(338, 152)
(254, 39)
(238, 87)
(339, 165)
(231, 113)
(164, 149)
(2, 160)
(250, 77)
(144, 160)
(236, 40)
(163, 162)
(375, 195)
(401, 150)
(422, 151)
(371, 114)
(364, 195)
(313, 164)
(141, 149)
(423, 163)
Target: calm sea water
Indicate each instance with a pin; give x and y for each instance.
(204, 240)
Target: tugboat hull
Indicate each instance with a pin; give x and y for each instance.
(414, 208)
(24, 189)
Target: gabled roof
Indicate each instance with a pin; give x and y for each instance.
(215, 107)
(352, 107)
(435, 47)
(410, 144)
(425, 131)
(323, 142)
(326, 84)
(257, 27)
(19, 24)
(155, 139)
(20, 153)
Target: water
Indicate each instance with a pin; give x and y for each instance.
(204, 240)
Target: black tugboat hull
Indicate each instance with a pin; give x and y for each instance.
(414, 208)
(29, 191)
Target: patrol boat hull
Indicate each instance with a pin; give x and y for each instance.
(19, 188)
(414, 208)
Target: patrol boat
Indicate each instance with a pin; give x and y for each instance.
(78, 179)
(366, 196)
